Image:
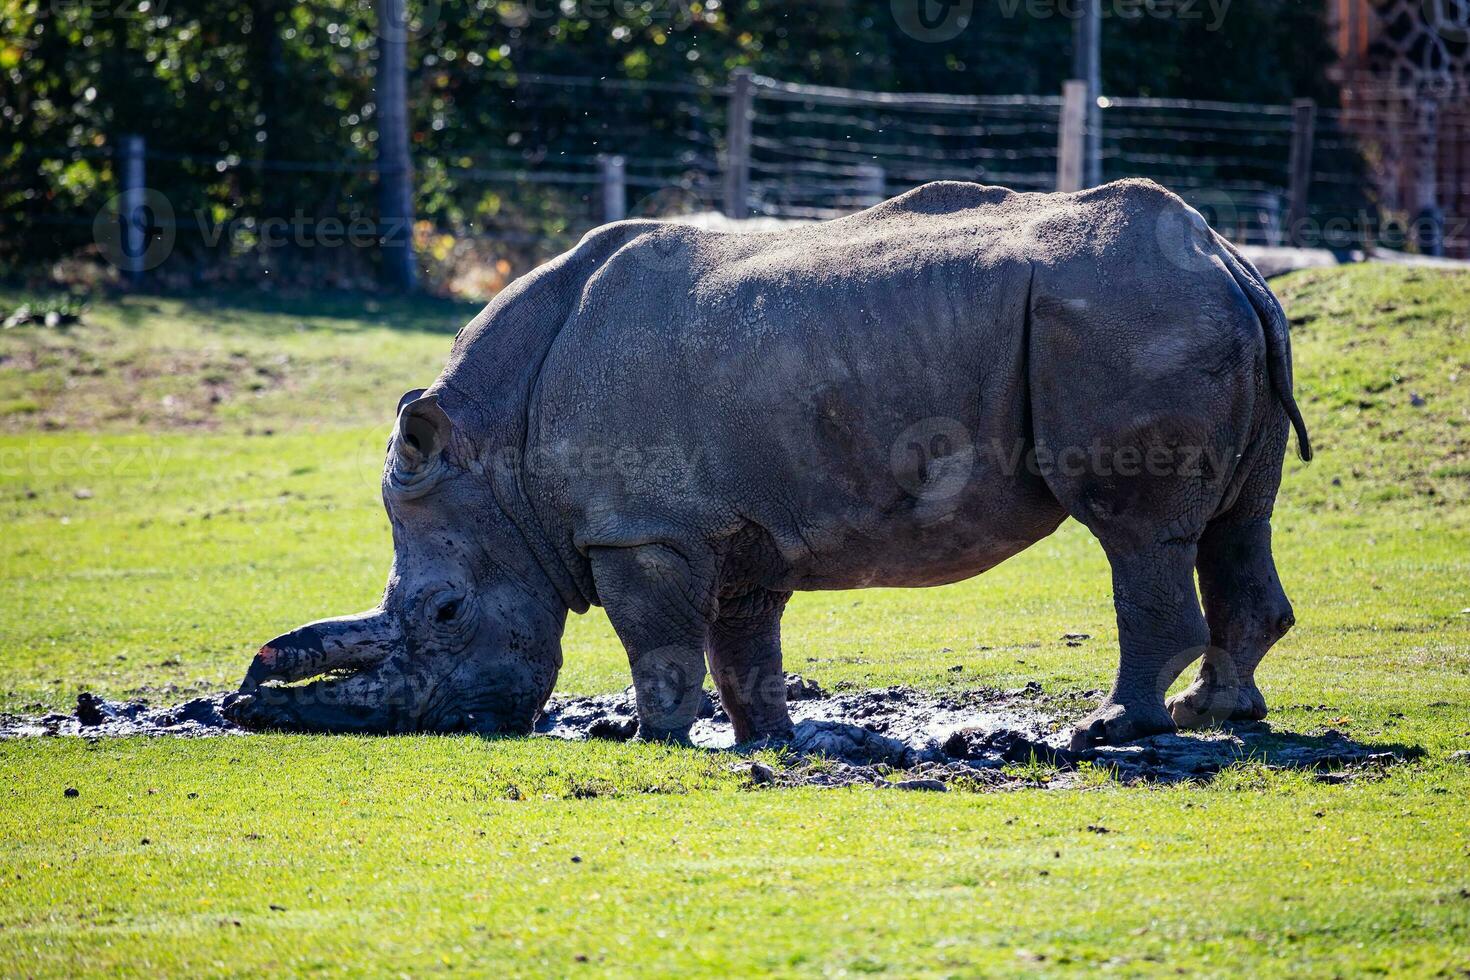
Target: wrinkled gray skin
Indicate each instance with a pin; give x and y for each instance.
(687, 426)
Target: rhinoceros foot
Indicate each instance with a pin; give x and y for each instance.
(1201, 706)
(1114, 724)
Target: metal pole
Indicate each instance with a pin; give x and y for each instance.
(1428, 235)
(737, 144)
(614, 188)
(134, 208)
(395, 169)
(1303, 132)
(1087, 66)
(1071, 135)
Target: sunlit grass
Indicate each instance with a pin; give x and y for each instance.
(149, 549)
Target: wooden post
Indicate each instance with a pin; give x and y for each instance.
(872, 184)
(395, 170)
(134, 209)
(1303, 133)
(1070, 135)
(614, 187)
(737, 143)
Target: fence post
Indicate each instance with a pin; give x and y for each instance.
(1428, 217)
(872, 184)
(1070, 135)
(614, 187)
(737, 144)
(395, 169)
(1087, 66)
(1303, 133)
(134, 228)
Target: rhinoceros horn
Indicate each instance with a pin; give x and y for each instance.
(345, 643)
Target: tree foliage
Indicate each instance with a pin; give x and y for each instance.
(260, 108)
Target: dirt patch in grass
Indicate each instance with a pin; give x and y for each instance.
(903, 738)
(890, 738)
(97, 717)
(93, 378)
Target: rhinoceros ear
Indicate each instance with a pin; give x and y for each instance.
(409, 396)
(423, 431)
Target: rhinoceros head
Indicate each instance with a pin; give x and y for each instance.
(459, 642)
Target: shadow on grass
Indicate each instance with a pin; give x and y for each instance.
(1202, 756)
(278, 313)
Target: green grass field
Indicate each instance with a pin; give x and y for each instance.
(181, 480)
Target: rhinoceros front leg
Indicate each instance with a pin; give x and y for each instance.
(745, 658)
(661, 603)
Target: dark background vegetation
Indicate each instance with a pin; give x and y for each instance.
(266, 107)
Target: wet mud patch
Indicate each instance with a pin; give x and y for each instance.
(902, 738)
(97, 717)
(889, 738)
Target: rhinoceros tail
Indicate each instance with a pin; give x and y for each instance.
(1278, 339)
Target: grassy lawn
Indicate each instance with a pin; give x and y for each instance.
(181, 480)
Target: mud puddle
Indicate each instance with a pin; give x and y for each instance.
(902, 738)
(97, 717)
(888, 738)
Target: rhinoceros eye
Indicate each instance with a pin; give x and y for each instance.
(408, 482)
(450, 617)
(447, 612)
(444, 606)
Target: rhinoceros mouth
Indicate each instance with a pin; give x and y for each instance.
(383, 699)
(358, 698)
(340, 701)
(332, 676)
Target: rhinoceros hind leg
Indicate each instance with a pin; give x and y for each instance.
(1160, 632)
(660, 601)
(745, 659)
(1247, 612)
(1244, 603)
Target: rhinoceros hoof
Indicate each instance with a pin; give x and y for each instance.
(1251, 705)
(1114, 724)
(668, 736)
(1201, 706)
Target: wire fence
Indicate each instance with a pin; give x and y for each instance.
(818, 152)
(570, 152)
(556, 133)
